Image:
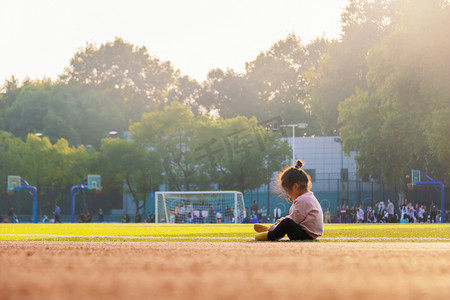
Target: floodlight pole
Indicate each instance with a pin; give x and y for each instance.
(300, 125)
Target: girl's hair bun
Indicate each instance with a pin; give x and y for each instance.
(299, 164)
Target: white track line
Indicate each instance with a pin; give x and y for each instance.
(213, 238)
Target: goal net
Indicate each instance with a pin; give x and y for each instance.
(199, 207)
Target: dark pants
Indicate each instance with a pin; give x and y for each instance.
(433, 217)
(289, 227)
(391, 218)
(57, 219)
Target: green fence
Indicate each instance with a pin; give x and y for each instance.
(330, 193)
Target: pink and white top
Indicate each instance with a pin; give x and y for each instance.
(306, 212)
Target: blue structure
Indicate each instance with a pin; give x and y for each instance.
(89, 182)
(73, 192)
(27, 186)
(435, 183)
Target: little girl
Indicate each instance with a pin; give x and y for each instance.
(305, 219)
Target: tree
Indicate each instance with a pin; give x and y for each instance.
(237, 154)
(227, 94)
(277, 76)
(344, 67)
(185, 91)
(8, 95)
(203, 153)
(9, 154)
(123, 161)
(274, 85)
(80, 115)
(169, 133)
(124, 71)
(398, 122)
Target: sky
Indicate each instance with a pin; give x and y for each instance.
(39, 37)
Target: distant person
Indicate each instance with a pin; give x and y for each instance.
(177, 213)
(12, 216)
(421, 214)
(376, 210)
(219, 213)
(189, 212)
(337, 215)
(81, 218)
(352, 214)
(276, 213)
(100, 215)
(254, 217)
(57, 213)
(228, 214)
(150, 218)
(371, 215)
(327, 215)
(138, 218)
(343, 213)
(263, 212)
(182, 214)
(404, 210)
(411, 213)
(126, 218)
(88, 218)
(360, 214)
(381, 209)
(390, 211)
(196, 213)
(433, 212)
(347, 215)
(254, 207)
(305, 219)
(211, 214)
(246, 219)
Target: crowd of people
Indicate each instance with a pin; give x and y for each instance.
(260, 215)
(382, 213)
(209, 213)
(150, 218)
(200, 213)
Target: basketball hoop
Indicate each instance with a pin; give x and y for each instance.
(10, 193)
(97, 190)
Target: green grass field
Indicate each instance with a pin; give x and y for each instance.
(216, 232)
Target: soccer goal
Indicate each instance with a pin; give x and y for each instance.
(199, 207)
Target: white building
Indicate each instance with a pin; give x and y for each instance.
(324, 155)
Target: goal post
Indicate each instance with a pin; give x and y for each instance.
(199, 207)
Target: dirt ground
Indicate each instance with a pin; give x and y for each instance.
(201, 270)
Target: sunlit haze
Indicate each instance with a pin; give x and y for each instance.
(38, 38)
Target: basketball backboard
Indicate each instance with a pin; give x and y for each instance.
(13, 181)
(94, 182)
(415, 176)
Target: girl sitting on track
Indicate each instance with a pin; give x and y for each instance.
(305, 219)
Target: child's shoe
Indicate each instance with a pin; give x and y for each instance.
(260, 227)
(262, 236)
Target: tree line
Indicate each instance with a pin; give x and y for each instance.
(171, 147)
(382, 86)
